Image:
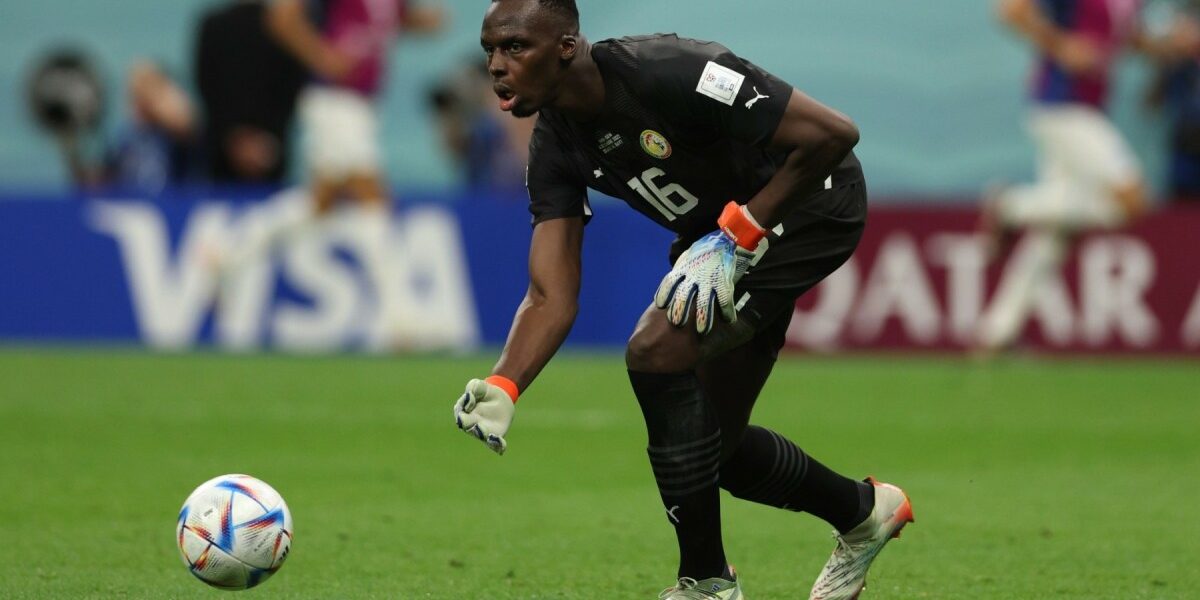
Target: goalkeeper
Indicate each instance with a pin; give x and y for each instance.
(760, 184)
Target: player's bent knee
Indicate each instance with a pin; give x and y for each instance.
(661, 349)
(1133, 199)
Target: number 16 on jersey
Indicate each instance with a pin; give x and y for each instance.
(671, 199)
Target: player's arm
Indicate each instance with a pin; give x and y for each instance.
(818, 139)
(1027, 18)
(288, 22)
(485, 410)
(548, 311)
(710, 87)
(1181, 41)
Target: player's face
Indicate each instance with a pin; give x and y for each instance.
(525, 56)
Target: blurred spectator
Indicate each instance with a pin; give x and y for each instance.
(1088, 178)
(490, 147)
(248, 86)
(1177, 90)
(344, 43)
(154, 149)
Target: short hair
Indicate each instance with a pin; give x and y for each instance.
(566, 8)
(563, 9)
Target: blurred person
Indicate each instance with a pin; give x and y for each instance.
(344, 44)
(248, 85)
(154, 149)
(490, 149)
(761, 185)
(1176, 89)
(1088, 178)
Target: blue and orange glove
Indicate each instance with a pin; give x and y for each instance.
(704, 276)
(485, 410)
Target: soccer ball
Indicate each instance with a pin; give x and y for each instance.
(234, 532)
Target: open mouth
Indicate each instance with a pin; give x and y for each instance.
(507, 98)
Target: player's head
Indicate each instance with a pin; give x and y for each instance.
(530, 44)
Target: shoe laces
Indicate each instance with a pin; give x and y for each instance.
(845, 554)
(685, 590)
(848, 547)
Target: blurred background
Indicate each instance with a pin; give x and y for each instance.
(162, 160)
(937, 88)
(197, 195)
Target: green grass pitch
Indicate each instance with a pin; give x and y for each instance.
(1028, 479)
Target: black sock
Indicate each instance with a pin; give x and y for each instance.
(769, 469)
(685, 450)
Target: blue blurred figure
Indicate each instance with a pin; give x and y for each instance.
(157, 147)
(489, 147)
(1177, 90)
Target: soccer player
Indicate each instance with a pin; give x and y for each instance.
(1087, 176)
(344, 43)
(759, 182)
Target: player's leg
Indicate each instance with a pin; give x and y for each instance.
(358, 140)
(761, 465)
(1132, 199)
(682, 421)
(1038, 209)
(684, 438)
(367, 189)
(866, 516)
(1035, 259)
(1087, 176)
(765, 467)
(325, 189)
(285, 216)
(683, 427)
(398, 329)
(321, 125)
(1113, 190)
(1088, 179)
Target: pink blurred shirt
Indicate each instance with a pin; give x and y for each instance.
(364, 30)
(1108, 24)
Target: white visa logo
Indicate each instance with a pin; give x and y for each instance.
(425, 302)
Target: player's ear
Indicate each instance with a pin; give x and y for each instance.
(568, 45)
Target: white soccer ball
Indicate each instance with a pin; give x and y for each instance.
(234, 532)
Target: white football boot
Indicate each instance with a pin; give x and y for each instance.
(713, 588)
(845, 575)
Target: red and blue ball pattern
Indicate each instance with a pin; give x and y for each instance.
(234, 531)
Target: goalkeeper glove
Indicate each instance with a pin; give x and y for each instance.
(485, 410)
(704, 276)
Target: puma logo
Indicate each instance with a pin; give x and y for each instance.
(671, 513)
(756, 98)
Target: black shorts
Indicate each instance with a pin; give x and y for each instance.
(817, 238)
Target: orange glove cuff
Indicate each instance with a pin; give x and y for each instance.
(505, 384)
(739, 225)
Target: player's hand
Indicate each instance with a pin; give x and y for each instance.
(702, 281)
(485, 411)
(704, 276)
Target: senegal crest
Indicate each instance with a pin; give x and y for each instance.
(655, 144)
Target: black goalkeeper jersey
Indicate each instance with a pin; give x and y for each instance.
(684, 129)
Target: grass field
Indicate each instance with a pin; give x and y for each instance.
(1029, 480)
